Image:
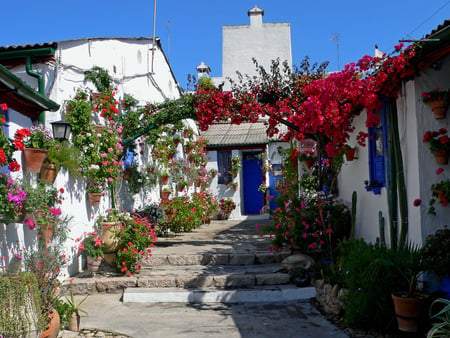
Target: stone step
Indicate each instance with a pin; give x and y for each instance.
(225, 258)
(208, 295)
(183, 277)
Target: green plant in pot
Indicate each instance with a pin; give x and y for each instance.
(408, 262)
(61, 155)
(73, 311)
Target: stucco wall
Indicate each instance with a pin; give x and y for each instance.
(129, 63)
(414, 118)
(264, 42)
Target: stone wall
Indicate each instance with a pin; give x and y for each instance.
(330, 297)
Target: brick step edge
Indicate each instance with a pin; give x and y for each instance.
(100, 284)
(267, 295)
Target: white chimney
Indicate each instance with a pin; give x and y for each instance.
(256, 15)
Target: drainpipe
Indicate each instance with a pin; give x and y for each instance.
(40, 79)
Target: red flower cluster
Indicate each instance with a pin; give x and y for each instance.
(19, 136)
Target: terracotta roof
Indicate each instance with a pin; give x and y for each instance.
(226, 134)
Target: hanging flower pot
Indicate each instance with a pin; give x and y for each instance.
(47, 230)
(439, 108)
(164, 179)
(34, 159)
(442, 198)
(93, 263)
(170, 214)
(180, 187)
(350, 154)
(165, 195)
(94, 198)
(441, 156)
(48, 173)
(187, 149)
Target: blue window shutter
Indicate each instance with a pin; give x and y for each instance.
(377, 150)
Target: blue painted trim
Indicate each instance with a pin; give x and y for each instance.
(377, 164)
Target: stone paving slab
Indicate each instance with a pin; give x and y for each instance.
(170, 320)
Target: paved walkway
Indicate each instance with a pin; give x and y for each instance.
(287, 319)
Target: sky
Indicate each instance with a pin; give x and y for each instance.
(191, 30)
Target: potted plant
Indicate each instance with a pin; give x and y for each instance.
(373, 186)
(439, 144)
(12, 199)
(349, 153)
(92, 248)
(441, 192)
(235, 165)
(408, 262)
(60, 155)
(95, 192)
(436, 251)
(212, 172)
(108, 227)
(263, 188)
(34, 143)
(441, 327)
(165, 192)
(227, 205)
(438, 101)
(73, 311)
(233, 186)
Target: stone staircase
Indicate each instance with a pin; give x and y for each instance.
(225, 261)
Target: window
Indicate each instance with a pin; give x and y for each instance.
(224, 166)
(378, 153)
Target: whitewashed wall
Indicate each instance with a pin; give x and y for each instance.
(129, 62)
(415, 118)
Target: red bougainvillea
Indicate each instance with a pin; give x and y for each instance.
(321, 108)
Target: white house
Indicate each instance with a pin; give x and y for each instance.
(55, 71)
(414, 119)
(263, 42)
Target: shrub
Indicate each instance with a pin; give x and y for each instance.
(368, 303)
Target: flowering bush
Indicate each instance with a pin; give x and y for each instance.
(12, 199)
(92, 245)
(437, 139)
(437, 252)
(35, 137)
(309, 223)
(435, 95)
(227, 205)
(136, 236)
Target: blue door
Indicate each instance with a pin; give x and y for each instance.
(252, 179)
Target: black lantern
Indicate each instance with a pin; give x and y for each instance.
(61, 130)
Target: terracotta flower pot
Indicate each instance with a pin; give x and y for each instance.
(47, 230)
(74, 324)
(93, 263)
(108, 230)
(439, 108)
(441, 156)
(180, 187)
(350, 154)
(442, 198)
(34, 159)
(165, 195)
(48, 173)
(94, 198)
(164, 179)
(53, 325)
(408, 312)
